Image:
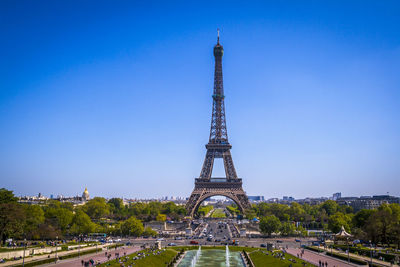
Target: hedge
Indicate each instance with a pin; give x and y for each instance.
(315, 249)
(52, 259)
(345, 257)
(367, 252)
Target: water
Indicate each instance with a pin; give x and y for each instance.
(196, 257)
(212, 258)
(227, 257)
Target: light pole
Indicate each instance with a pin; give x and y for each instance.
(348, 251)
(370, 250)
(79, 247)
(23, 257)
(56, 248)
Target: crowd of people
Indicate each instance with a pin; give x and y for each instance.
(126, 261)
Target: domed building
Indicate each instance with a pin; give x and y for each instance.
(85, 195)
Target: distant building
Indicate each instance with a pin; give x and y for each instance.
(85, 195)
(367, 202)
(336, 196)
(256, 198)
(312, 201)
(287, 199)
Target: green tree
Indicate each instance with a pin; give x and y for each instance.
(251, 213)
(96, 208)
(149, 232)
(12, 216)
(34, 218)
(7, 196)
(287, 229)
(59, 217)
(269, 224)
(296, 212)
(12, 220)
(330, 206)
(132, 226)
(64, 218)
(382, 225)
(118, 203)
(117, 207)
(301, 231)
(338, 220)
(361, 217)
(161, 217)
(47, 232)
(81, 223)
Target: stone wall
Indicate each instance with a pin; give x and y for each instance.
(28, 252)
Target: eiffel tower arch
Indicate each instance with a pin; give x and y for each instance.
(218, 147)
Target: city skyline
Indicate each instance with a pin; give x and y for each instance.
(118, 99)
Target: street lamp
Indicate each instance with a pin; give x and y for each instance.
(79, 246)
(348, 251)
(56, 249)
(370, 249)
(23, 257)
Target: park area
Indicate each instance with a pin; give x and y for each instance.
(218, 213)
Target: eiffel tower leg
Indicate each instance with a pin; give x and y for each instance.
(194, 201)
(208, 164)
(228, 164)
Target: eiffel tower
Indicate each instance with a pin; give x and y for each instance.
(218, 147)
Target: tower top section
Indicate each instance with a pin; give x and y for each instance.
(218, 49)
(218, 133)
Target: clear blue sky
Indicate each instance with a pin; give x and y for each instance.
(116, 96)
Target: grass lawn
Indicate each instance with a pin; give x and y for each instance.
(260, 259)
(218, 213)
(155, 258)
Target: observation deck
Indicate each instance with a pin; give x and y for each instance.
(218, 183)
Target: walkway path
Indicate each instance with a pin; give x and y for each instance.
(383, 263)
(52, 255)
(314, 258)
(98, 257)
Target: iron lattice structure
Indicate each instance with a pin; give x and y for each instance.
(218, 147)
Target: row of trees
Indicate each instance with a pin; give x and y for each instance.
(54, 218)
(378, 225)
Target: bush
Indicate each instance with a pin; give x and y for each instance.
(315, 249)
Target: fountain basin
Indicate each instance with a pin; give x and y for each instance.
(212, 258)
